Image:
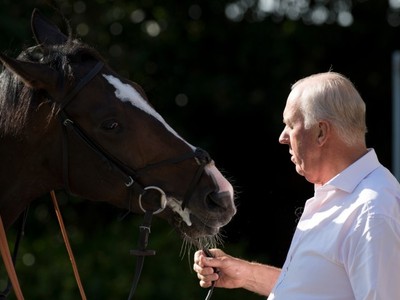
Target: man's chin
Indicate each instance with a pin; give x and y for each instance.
(299, 170)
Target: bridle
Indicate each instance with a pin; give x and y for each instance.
(129, 176)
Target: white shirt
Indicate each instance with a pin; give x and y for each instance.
(347, 243)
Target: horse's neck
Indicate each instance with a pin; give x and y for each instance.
(22, 179)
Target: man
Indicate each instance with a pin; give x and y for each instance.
(347, 242)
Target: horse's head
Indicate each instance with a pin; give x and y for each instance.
(105, 142)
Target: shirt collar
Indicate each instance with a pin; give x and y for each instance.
(349, 178)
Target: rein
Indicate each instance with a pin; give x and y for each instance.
(67, 245)
(145, 194)
(9, 264)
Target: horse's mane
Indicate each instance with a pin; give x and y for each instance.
(17, 100)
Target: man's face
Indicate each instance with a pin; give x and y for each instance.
(302, 142)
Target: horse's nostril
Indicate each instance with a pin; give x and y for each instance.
(212, 200)
(218, 200)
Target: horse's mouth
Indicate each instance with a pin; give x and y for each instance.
(204, 227)
(192, 225)
(176, 207)
(198, 230)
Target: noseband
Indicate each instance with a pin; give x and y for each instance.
(129, 175)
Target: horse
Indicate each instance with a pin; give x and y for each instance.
(69, 122)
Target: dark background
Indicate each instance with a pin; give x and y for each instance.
(234, 75)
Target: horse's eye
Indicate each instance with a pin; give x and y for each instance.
(110, 125)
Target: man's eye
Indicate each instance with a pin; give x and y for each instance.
(110, 125)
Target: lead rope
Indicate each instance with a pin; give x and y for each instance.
(67, 244)
(211, 289)
(6, 255)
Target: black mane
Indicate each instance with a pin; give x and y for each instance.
(17, 100)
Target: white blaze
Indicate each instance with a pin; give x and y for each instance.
(126, 93)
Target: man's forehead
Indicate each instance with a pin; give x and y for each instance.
(296, 93)
(291, 111)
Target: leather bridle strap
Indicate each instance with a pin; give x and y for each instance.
(144, 230)
(67, 99)
(6, 255)
(20, 234)
(68, 245)
(141, 252)
(84, 81)
(112, 162)
(202, 158)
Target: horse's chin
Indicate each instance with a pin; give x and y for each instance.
(192, 225)
(194, 229)
(197, 234)
(198, 240)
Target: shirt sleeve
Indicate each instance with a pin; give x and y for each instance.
(373, 259)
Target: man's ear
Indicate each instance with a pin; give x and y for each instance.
(324, 128)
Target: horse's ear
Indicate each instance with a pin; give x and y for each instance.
(35, 75)
(45, 31)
